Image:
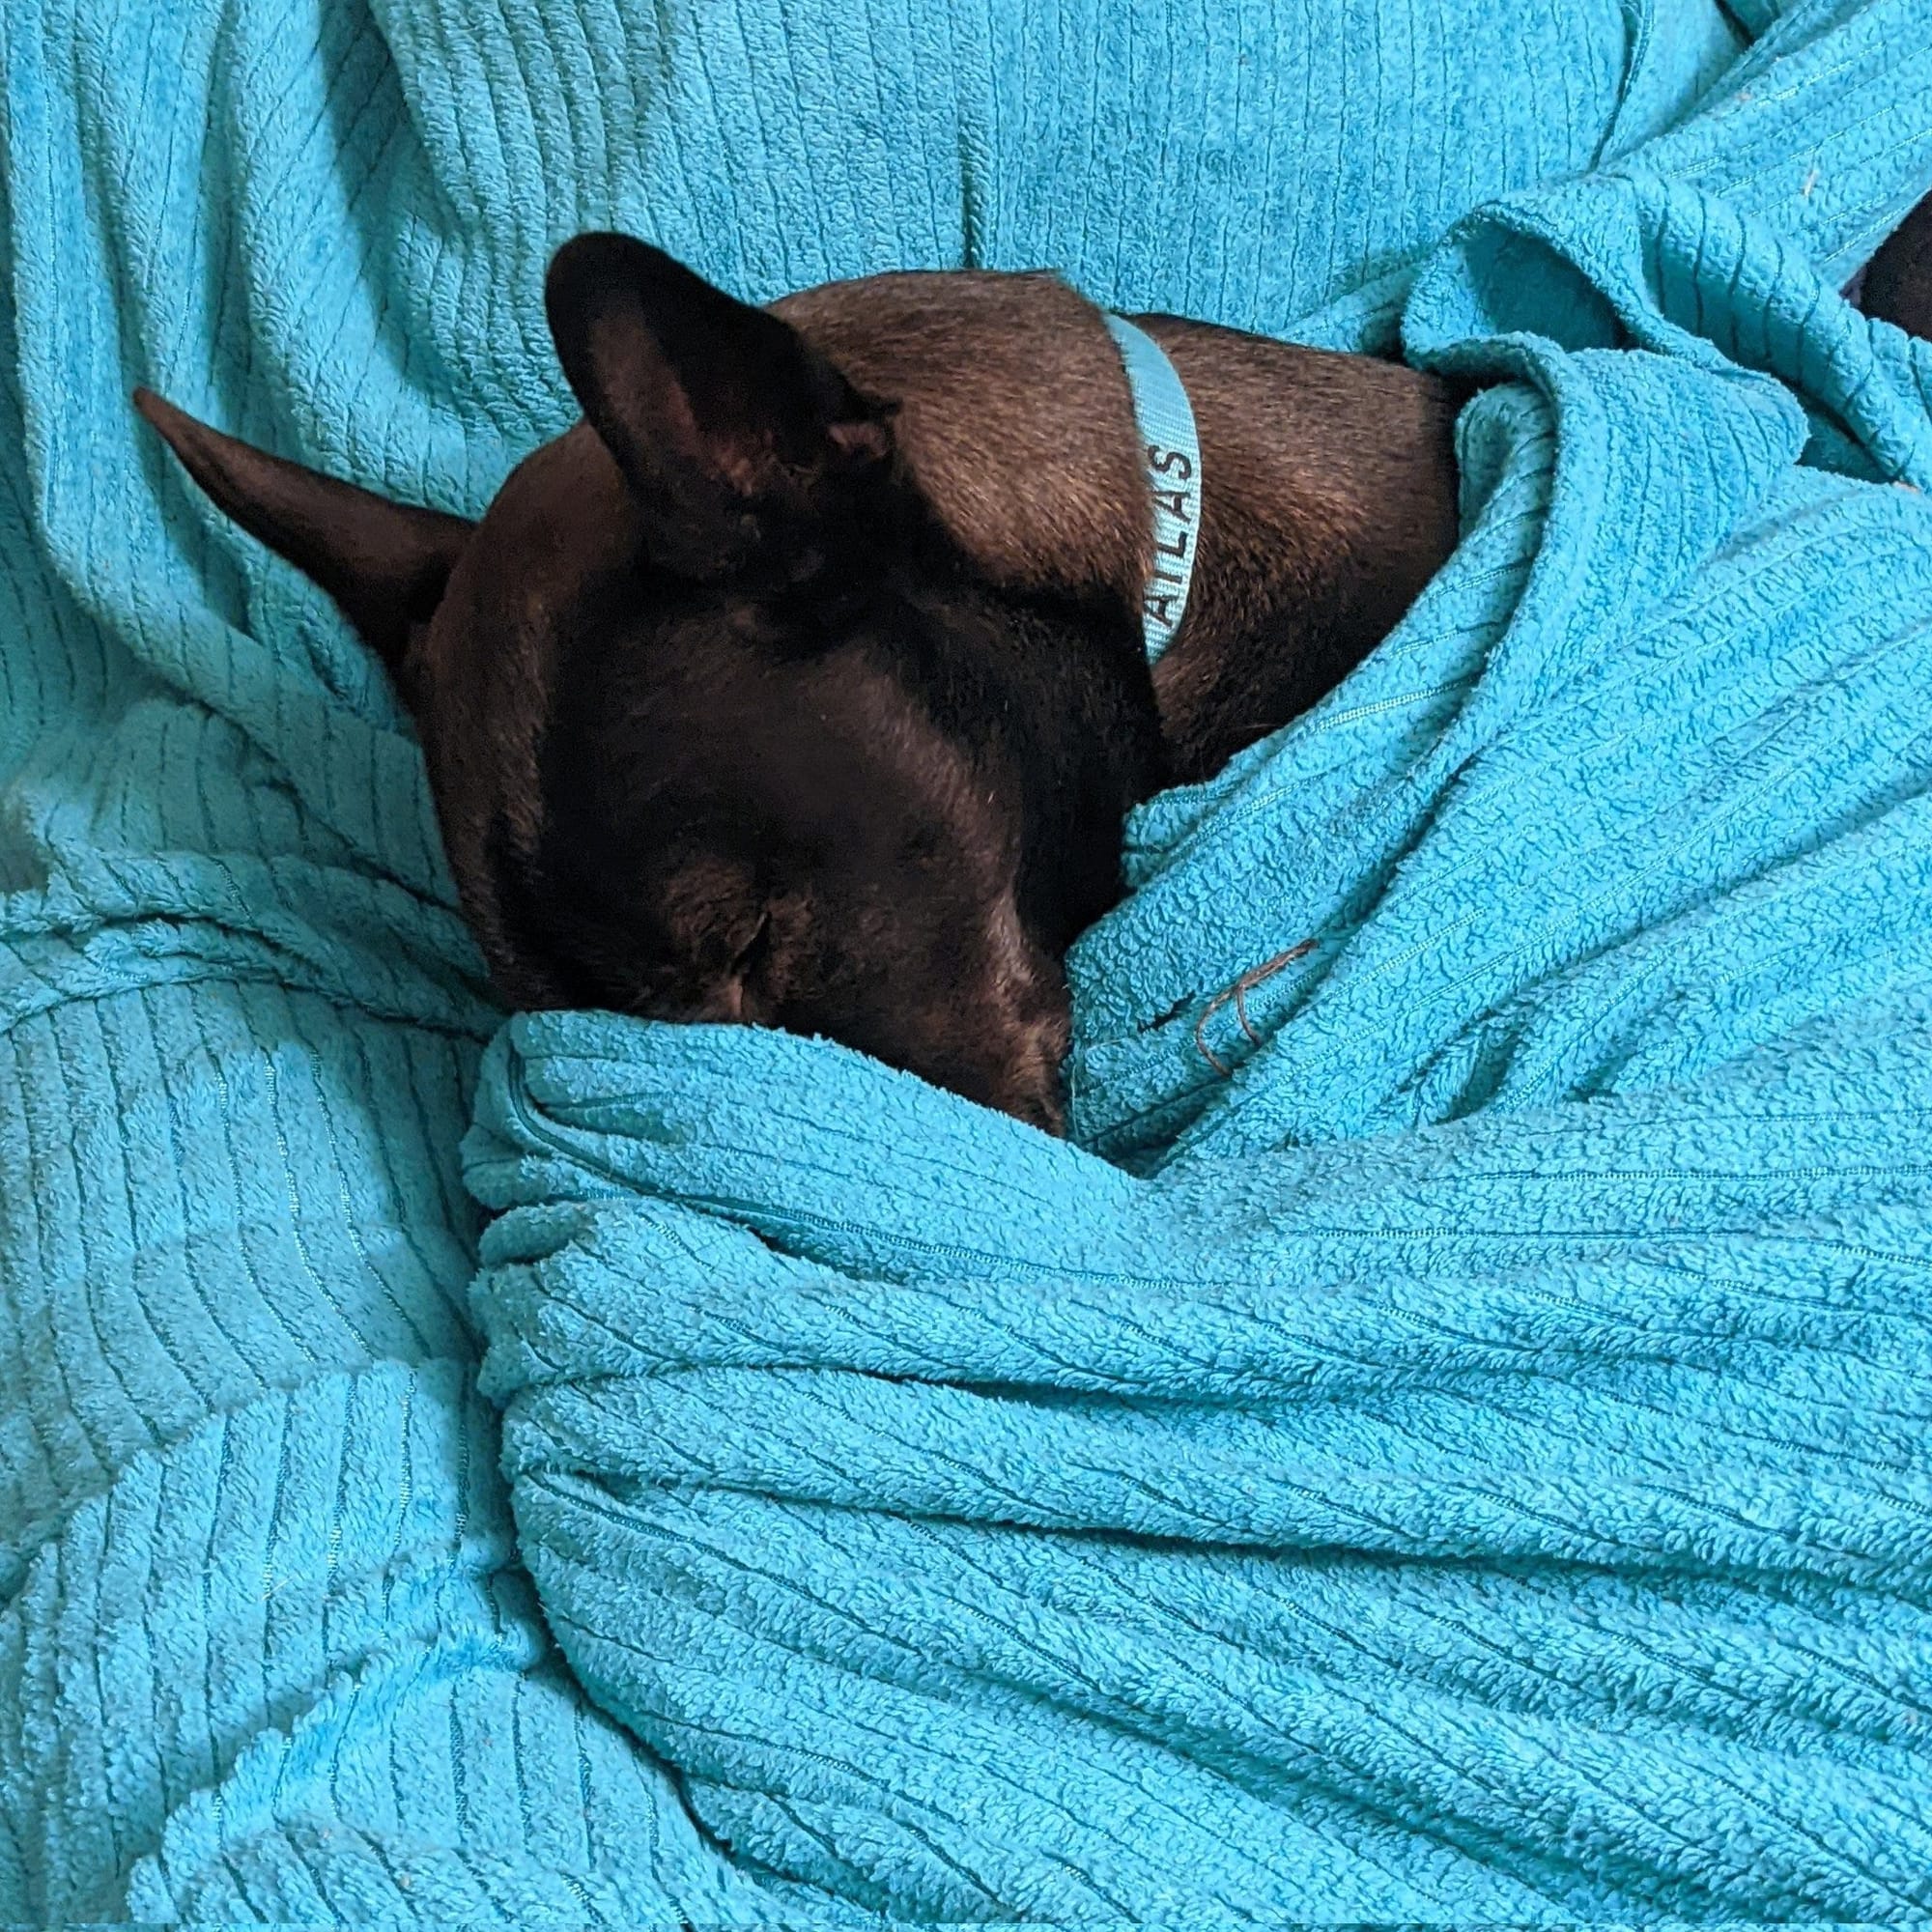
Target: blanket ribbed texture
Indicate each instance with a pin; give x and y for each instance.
(1451, 1439)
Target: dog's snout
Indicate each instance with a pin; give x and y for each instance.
(1026, 1077)
(1041, 1107)
(1032, 1092)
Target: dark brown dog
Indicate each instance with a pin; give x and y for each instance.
(803, 683)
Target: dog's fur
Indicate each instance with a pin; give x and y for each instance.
(803, 682)
(1897, 283)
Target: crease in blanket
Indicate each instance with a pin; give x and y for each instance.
(1456, 1450)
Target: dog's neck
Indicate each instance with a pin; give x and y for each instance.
(1329, 496)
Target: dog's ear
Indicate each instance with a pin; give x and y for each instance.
(385, 565)
(725, 421)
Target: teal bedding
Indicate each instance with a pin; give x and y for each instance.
(1449, 1438)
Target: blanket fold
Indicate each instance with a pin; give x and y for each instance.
(1458, 1477)
(1521, 1517)
(1446, 1441)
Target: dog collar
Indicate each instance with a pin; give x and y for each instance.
(1173, 452)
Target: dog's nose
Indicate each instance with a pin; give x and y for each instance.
(1040, 1106)
(1028, 1084)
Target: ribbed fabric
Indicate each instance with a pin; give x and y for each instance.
(1515, 1512)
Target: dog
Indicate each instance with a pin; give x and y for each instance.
(805, 681)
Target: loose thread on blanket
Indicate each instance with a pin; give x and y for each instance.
(1238, 993)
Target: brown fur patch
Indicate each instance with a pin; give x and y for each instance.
(1013, 416)
(479, 680)
(1328, 494)
(1329, 500)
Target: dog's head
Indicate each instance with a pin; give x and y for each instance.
(725, 717)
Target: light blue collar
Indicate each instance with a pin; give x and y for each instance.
(1173, 452)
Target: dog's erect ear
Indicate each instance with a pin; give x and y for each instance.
(720, 414)
(385, 565)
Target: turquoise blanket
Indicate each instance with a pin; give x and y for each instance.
(1450, 1438)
